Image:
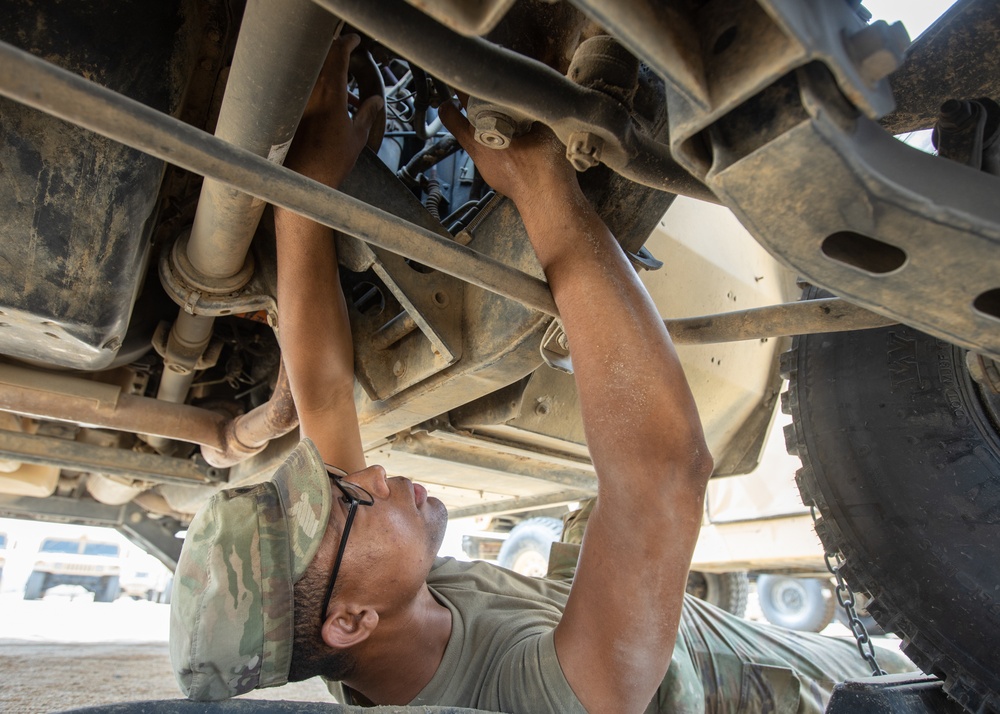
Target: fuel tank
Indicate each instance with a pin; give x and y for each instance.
(78, 209)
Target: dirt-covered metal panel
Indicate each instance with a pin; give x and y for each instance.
(75, 206)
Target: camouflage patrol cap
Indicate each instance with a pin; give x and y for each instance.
(232, 604)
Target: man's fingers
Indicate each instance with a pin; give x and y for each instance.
(337, 61)
(366, 116)
(459, 126)
(345, 44)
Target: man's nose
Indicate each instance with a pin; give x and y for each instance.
(373, 480)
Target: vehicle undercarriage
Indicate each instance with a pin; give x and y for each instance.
(142, 146)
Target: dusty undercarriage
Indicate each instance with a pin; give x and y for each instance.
(138, 318)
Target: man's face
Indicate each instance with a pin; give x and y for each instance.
(391, 545)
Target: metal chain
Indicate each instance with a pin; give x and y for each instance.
(846, 598)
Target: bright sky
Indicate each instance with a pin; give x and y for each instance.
(917, 15)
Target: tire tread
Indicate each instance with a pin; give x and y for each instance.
(862, 575)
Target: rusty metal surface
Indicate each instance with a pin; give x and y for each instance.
(35, 82)
(956, 57)
(76, 456)
(556, 470)
(526, 85)
(74, 234)
(716, 55)
(796, 318)
(256, 293)
(663, 35)
(250, 433)
(501, 336)
(431, 299)
(499, 339)
(450, 351)
(50, 396)
(903, 233)
(282, 46)
(467, 18)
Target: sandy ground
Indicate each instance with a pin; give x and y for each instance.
(52, 677)
(61, 653)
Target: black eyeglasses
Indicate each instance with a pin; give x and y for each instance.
(354, 496)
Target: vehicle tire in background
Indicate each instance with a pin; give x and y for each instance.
(34, 589)
(796, 603)
(108, 590)
(901, 457)
(861, 608)
(526, 550)
(728, 591)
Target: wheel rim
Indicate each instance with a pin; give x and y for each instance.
(531, 563)
(789, 597)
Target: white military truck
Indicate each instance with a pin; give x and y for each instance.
(91, 564)
(141, 371)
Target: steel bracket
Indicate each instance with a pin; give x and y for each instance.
(414, 328)
(246, 292)
(893, 229)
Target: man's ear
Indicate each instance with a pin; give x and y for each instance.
(348, 625)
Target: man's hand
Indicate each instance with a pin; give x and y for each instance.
(531, 172)
(328, 140)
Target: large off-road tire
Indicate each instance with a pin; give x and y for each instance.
(796, 603)
(728, 591)
(901, 456)
(526, 550)
(35, 588)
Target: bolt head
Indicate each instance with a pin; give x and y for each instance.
(494, 131)
(399, 368)
(878, 49)
(584, 150)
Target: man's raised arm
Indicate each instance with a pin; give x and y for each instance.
(315, 332)
(616, 637)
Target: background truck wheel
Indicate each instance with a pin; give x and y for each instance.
(526, 550)
(901, 456)
(108, 590)
(727, 591)
(35, 587)
(861, 608)
(796, 603)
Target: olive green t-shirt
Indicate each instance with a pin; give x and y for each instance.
(501, 655)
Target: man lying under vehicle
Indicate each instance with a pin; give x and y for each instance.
(329, 568)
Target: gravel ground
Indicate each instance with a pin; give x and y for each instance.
(52, 677)
(67, 651)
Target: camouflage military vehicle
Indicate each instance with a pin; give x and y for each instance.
(141, 371)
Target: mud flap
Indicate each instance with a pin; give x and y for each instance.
(893, 694)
